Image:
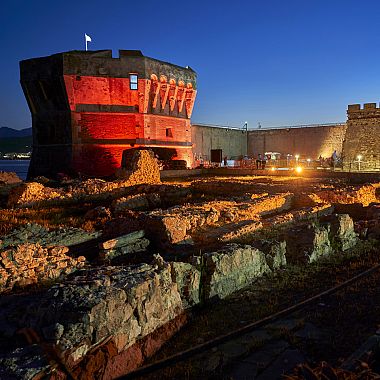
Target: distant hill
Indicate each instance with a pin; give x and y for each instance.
(6, 132)
(15, 141)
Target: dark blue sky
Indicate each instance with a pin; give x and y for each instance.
(277, 62)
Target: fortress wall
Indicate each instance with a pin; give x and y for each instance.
(362, 137)
(306, 141)
(233, 142)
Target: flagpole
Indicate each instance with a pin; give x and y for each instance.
(85, 39)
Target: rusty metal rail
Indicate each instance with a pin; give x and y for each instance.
(200, 348)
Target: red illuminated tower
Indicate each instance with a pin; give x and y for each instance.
(87, 108)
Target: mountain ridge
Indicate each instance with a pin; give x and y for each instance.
(6, 132)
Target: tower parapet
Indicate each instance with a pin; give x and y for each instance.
(361, 148)
(88, 107)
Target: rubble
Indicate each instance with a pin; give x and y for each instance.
(307, 243)
(98, 309)
(123, 245)
(37, 234)
(29, 193)
(9, 178)
(364, 194)
(102, 321)
(141, 167)
(174, 225)
(29, 264)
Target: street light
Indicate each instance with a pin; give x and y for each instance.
(359, 157)
(287, 159)
(297, 156)
(308, 162)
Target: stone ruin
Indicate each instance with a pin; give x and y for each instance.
(142, 169)
(102, 320)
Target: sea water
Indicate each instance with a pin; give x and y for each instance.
(20, 167)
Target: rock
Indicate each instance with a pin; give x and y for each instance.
(25, 363)
(37, 234)
(108, 308)
(176, 224)
(275, 252)
(28, 193)
(187, 277)
(307, 243)
(364, 194)
(98, 213)
(140, 167)
(28, 264)
(231, 269)
(342, 233)
(123, 245)
(136, 202)
(9, 178)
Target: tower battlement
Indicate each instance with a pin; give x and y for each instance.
(362, 107)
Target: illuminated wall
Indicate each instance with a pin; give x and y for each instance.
(88, 107)
(362, 142)
(309, 142)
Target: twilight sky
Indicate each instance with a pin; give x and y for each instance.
(277, 62)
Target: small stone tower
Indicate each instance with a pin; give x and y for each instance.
(361, 147)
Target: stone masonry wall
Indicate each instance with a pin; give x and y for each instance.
(233, 142)
(362, 138)
(310, 142)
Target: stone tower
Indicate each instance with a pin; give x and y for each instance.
(88, 107)
(361, 147)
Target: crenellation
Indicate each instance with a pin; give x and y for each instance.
(368, 106)
(354, 107)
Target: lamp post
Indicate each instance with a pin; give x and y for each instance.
(308, 162)
(246, 131)
(297, 156)
(359, 157)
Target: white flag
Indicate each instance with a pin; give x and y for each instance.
(87, 38)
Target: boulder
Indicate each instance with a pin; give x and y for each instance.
(123, 245)
(342, 233)
(307, 243)
(275, 252)
(231, 269)
(99, 311)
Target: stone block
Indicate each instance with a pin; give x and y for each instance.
(187, 277)
(231, 269)
(307, 243)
